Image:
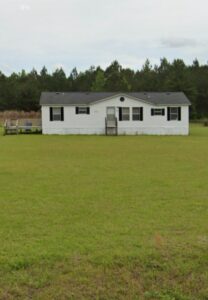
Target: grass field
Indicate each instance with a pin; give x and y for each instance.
(95, 217)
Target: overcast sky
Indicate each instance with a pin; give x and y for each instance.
(82, 33)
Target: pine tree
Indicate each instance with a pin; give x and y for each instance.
(99, 83)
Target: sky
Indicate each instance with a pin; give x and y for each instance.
(82, 33)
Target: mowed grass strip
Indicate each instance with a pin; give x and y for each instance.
(95, 217)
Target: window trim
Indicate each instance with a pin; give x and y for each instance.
(77, 108)
(162, 111)
(121, 114)
(61, 115)
(177, 113)
(140, 114)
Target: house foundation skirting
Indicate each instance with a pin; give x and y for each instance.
(121, 131)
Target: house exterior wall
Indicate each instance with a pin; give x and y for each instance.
(94, 123)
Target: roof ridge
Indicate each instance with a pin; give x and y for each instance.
(87, 98)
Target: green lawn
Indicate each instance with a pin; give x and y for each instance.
(95, 217)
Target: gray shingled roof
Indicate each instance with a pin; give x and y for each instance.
(155, 98)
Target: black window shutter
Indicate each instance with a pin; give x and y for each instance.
(88, 110)
(62, 114)
(120, 113)
(152, 112)
(179, 113)
(76, 110)
(168, 113)
(141, 113)
(163, 111)
(51, 113)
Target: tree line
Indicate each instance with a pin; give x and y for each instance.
(21, 91)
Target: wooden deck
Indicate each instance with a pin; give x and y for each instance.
(21, 126)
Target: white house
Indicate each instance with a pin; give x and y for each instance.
(115, 113)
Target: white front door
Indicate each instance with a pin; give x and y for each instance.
(111, 112)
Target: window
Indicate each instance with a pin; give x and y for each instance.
(56, 114)
(174, 113)
(137, 113)
(157, 111)
(82, 110)
(122, 99)
(124, 114)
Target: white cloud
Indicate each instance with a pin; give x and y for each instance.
(175, 42)
(25, 7)
(85, 32)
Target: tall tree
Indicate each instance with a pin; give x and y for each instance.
(22, 90)
(146, 78)
(99, 82)
(115, 81)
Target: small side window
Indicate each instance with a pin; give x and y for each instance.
(82, 110)
(157, 111)
(56, 114)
